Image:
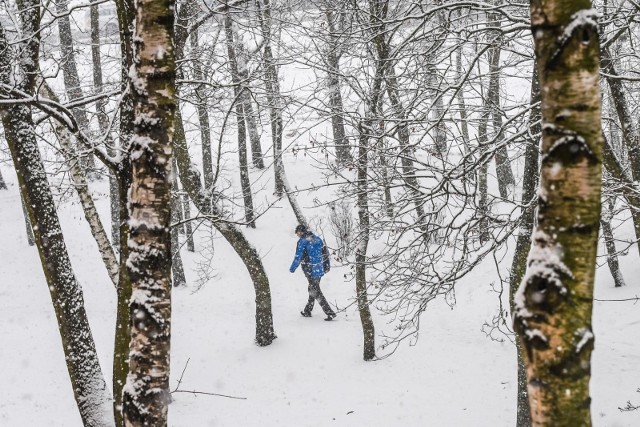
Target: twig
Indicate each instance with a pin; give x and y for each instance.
(209, 394)
(636, 299)
(200, 392)
(181, 375)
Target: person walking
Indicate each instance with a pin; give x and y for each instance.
(313, 257)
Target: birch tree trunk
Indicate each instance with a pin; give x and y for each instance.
(554, 302)
(82, 188)
(103, 122)
(152, 82)
(87, 381)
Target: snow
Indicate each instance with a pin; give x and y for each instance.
(313, 374)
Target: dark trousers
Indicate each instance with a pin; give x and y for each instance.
(316, 294)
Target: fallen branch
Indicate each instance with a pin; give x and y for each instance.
(200, 392)
(635, 299)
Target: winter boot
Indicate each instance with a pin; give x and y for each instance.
(330, 317)
(305, 314)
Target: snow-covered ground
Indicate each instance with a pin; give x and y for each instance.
(313, 374)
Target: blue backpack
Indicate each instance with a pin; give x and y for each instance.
(326, 259)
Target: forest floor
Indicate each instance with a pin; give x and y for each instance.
(313, 374)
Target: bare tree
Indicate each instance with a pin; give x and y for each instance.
(103, 121)
(238, 90)
(70, 74)
(152, 83)
(87, 381)
(554, 301)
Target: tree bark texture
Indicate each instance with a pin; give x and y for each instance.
(177, 268)
(82, 188)
(273, 93)
(378, 10)
(523, 241)
(3, 185)
(125, 12)
(554, 302)
(334, 52)
(610, 244)
(630, 134)
(103, 122)
(31, 240)
(204, 201)
(368, 331)
(245, 182)
(250, 115)
(203, 117)
(152, 84)
(506, 181)
(70, 75)
(87, 381)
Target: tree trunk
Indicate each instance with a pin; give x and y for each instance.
(88, 384)
(610, 244)
(3, 185)
(523, 241)
(126, 11)
(629, 131)
(152, 81)
(273, 93)
(88, 206)
(506, 181)
(31, 240)
(177, 267)
(87, 381)
(368, 331)
(204, 201)
(242, 57)
(554, 302)
(203, 117)
(82, 188)
(71, 77)
(340, 142)
(188, 228)
(103, 122)
(626, 187)
(378, 11)
(245, 182)
(483, 209)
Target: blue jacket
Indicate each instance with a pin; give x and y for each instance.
(309, 252)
